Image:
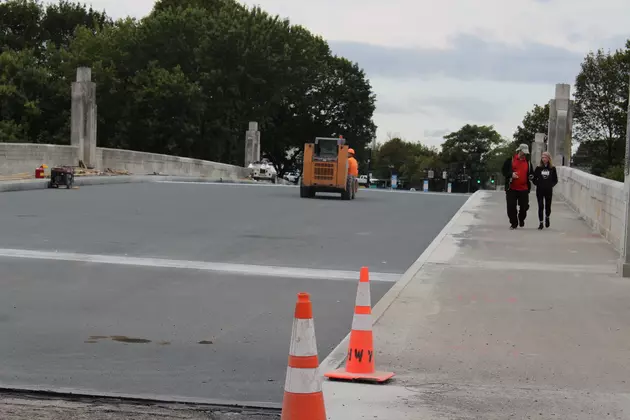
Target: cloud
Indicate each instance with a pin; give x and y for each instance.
(469, 58)
(439, 133)
(425, 110)
(467, 108)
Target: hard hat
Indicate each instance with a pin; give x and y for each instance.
(351, 151)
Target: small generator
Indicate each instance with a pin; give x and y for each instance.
(62, 175)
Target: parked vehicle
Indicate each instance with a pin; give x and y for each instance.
(263, 171)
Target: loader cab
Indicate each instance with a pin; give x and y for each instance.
(327, 149)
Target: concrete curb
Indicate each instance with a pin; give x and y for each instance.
(40, 184)
(72, 394)
(336, 357)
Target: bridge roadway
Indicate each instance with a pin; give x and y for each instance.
(187, 290)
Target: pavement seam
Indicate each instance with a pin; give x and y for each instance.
(78, 395)
(524, 266)
(41, 184)
(337, 356)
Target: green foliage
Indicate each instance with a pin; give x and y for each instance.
(407, 159)
(29, 106)
(472, 150)
(480, 148)
(185, 80)
(495, 158)
(535, 121)
(28, 24)
(616, 173)
(601, 101)
(470, 144)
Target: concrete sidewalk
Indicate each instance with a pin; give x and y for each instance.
(501, 324)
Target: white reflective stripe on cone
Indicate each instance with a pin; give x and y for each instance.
(362, 322)
(303, 338)
(363, 294)
(303, 381)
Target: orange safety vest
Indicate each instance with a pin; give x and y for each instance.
(353, 167)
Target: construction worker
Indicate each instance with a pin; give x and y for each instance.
(353, 169)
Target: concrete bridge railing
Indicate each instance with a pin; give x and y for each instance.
(600, 201)
(17, 158)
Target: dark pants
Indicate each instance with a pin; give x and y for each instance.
(544, 203)
(514, 198)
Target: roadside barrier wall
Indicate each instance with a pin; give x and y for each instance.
(18, 158)
(598, 200)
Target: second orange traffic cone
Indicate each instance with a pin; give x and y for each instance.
(360, 363)
(303, 396)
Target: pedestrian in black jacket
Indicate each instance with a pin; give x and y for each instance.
(545, 178)
(518, 173)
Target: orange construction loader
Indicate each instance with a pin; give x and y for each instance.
(325, 169)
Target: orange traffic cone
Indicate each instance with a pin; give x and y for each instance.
(360, 364)
(303, 396)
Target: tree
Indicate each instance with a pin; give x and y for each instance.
(470, 144)
(186, 79)
(20, 25)
(27, 24)
(60, 21)
(29, 99)
(601, 101)
(535, 121)
(496, 157)
(407, 159)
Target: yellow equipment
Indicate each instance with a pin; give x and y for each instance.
(325, 169)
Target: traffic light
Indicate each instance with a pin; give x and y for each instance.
(492, 179)
(478, 181)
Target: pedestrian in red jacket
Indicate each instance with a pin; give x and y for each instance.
(518, 174)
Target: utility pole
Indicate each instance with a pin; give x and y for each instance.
(624, 263)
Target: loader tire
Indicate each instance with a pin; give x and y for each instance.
(347, 194)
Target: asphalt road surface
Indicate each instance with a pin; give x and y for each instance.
(188, 290)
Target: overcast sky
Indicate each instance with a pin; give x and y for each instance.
(437, 65)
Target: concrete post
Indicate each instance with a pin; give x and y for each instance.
(538, 147)
(624, 262)
(560, 125)
(83, 120)
(568, 139)
(551, 131)
(77, 128)
(252, 144)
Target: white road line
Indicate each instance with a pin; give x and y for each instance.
(242, 269)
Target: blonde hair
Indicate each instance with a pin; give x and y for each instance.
(541, 164)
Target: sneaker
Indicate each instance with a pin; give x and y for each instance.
(512, 227)
(521, 223)
(546, 222)
(540, 226)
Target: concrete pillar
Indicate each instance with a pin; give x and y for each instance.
(83, 119)
(568, 139)
(538, 146)
(624, 262)
(77, 128)
(551, 131)
(559, 136)
(252, 144)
